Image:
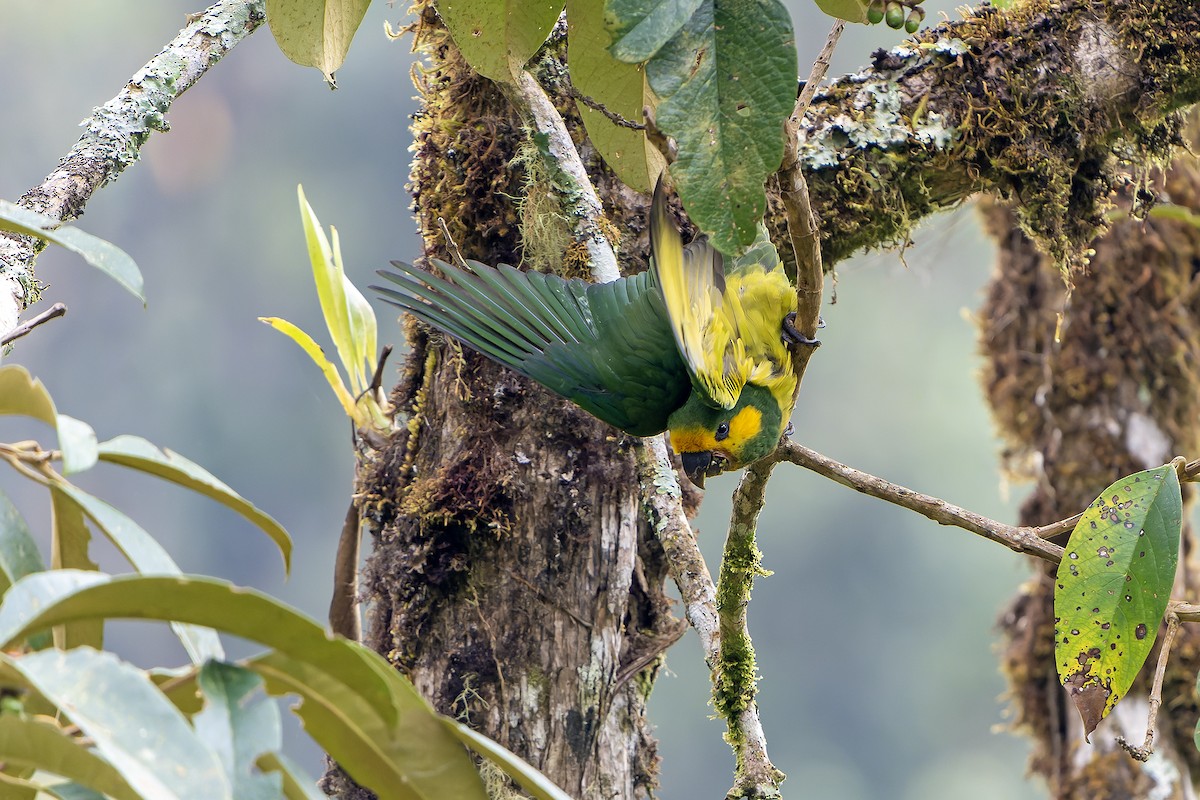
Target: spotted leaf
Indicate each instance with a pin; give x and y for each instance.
(1112, 588)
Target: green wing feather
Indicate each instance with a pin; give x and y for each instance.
(606, 347)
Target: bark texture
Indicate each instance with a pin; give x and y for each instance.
(514, 577)
(1120, 392)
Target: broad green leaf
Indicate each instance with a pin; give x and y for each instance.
(19, 554)
(497, 37)
(727, 82)
(1112, 588)
(147, 556)
(849, 10)
(316, 33)
(137, 453)
(133, 726)
(297, 784)
(619, 87)
(318, 356)
(517, 768)
(45, 746)
(14, 784)
(77, 441)
(70, 540)
(350, 690)
(104, 256)
(330, 282)
(21, 393)
(239, 729)
(641, 27)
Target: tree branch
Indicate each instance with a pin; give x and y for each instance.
(1029, 103)
(114, 135)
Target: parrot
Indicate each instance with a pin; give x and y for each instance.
(686, 347)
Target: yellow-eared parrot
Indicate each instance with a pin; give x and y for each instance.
(686, 347)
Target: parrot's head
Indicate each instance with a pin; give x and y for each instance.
(715, 440)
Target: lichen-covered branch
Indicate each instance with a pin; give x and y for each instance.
(114, 134)
(1041, 103)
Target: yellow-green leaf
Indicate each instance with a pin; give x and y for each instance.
(77, 441)
(517, 768)
(70, 541)
(619, 87)
(849, 10)
(361, 327)
(330, 282)
(318, 356)
(45, 746)
(21, 393)
(316, 33)
(497, 37)
(1112, 588)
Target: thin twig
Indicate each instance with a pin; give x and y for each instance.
(54, 311)
(115, 133)
(579, 196)
(1143, 753)
(1018, 539)
(451, 244)
(596, 105)
(815, 76)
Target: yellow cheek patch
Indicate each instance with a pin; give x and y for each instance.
(692, 440)
(745, 425)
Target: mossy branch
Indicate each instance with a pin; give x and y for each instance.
(114, 134)
(1042, 104)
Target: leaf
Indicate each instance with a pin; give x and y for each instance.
(361, 328)
(147, 556)
(77, 441)
(641, 27)
(1112, 588)
(70, 541)
(133, 726)
(619, 87)
(21, 393)
(350, 690)
(137, 453)
(727, 82)
(497, 37)
(318, 356)
(517, 768)
(239, 729)
(849, 10)
(104, 256)
(45, 746)
(19, 554)
(330, 282)
(297, 785)
(316, 33)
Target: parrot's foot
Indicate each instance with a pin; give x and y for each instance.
(792, 336)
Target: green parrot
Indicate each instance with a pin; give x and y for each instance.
(685, 347)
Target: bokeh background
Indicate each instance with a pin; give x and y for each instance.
(876, 632)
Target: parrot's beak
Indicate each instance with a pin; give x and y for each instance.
(701, 464)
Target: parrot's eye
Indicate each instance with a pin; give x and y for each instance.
(722, 432)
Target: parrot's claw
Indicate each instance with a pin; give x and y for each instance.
(793, 336)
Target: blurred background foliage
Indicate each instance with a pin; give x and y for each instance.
(875, 633)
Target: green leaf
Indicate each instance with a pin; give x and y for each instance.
(316, 33)
(1112, 588)
(361, 327)
(19, 554)
(239, 729)
(77, 441)
(104, 256)
(297, 784)
(147, 556)
(21, 393)
(497, 37)
(45, 746)
(849, 10)
(137, 453)
(619, 87)
(366, 715)
(331, 286)
(517, 768)
(70, 541)
(641, 27)
(727, 82)
(133, 726)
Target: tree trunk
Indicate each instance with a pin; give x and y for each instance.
(1120, 392)
(514, 578)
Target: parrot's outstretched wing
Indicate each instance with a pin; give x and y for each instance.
(705, 328)
(606, 347)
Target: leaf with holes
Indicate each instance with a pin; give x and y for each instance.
(1112, 588)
